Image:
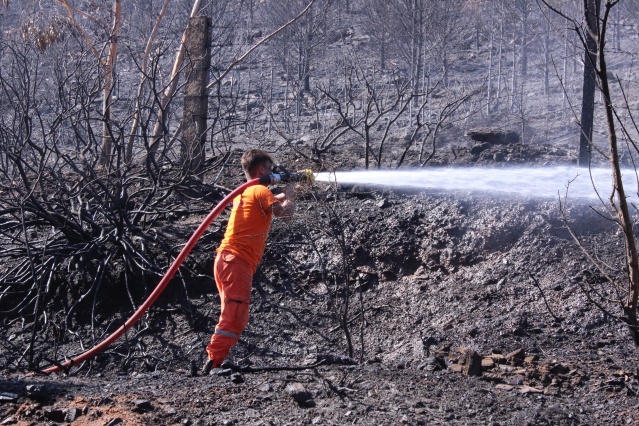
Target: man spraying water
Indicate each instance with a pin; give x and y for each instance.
(241, 251)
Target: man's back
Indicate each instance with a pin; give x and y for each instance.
(248, 226)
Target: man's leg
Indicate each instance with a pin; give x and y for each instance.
(234, 281)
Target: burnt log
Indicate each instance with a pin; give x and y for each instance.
(494, 135)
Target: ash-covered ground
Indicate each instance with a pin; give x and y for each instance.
(414, 308)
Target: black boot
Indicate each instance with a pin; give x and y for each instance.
(208, 365)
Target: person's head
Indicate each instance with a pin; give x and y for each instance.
(256, 163)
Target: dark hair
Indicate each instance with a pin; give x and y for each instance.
(254, 158)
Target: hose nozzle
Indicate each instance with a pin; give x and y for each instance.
(281, 175)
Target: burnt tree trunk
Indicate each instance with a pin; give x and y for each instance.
(591, 10)
(196, 97)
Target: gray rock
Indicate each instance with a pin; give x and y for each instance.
(114, 422)
(383, 203)
(55, 415)
(479, 148)
(237, 378)
(299, 393)
(266, 387)
(35, 391)
(71, 414)
(142, 405)
(224, 372)
(494, 135)
(8, 397)
(105, 400)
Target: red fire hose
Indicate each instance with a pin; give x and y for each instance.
(165, 280)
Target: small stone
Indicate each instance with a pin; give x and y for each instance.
(8, 397)
(114, 422)
(383, 203)
(529, 389)
(504, 387)
(559, 369)
(237, 378)
(35, 391)
(55, 415)
(515, 380)
(266, 387)
(504, 367)
(94, 414)
(224, 372)
(170, 411)
(487, 362)
(457, 368)
(105, 400)
(71, 414)
(299, 394)
(530, 359)
(142, 405)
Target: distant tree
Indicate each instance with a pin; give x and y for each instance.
(299, 46)
(381, 104)
(419, 36)
(523, 11)
(379, 26)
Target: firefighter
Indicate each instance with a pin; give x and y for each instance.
(241, 251)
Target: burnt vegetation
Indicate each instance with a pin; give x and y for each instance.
(113, 148)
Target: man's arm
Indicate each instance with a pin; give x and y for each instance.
(286, 207)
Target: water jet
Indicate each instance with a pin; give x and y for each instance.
(584, 185)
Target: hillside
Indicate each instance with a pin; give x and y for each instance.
(376, 304)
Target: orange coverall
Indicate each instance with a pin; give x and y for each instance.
(237, 258)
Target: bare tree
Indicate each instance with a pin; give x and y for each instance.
(628, 294)
(299, 45)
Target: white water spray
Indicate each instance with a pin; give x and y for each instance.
(529, 182)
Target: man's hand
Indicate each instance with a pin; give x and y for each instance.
(285, 208)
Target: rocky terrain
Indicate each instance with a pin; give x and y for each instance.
(375, 306)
